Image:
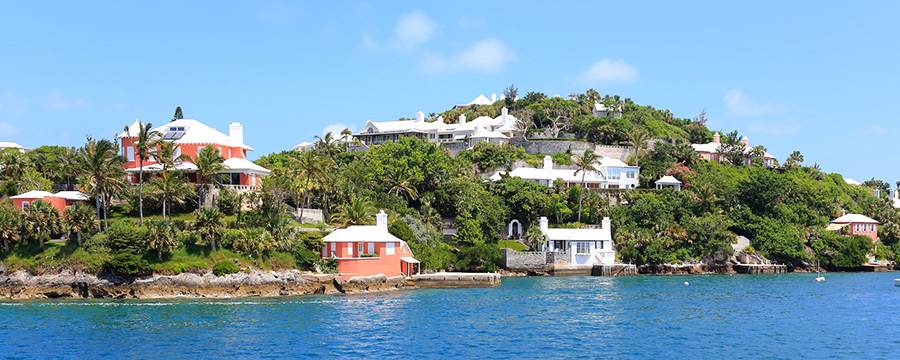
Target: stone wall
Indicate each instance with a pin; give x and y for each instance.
(614, 152)
(559, 257)
(311, 216)
(551, 146)
(523, 260)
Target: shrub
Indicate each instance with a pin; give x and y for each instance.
(225, 267)
(369, 255)
(126, 263)
(282, 260)
(122, 235)
(306, 258)
(229, 201)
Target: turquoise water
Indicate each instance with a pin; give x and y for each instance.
(741, 316)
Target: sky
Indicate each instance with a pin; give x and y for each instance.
(820, 77)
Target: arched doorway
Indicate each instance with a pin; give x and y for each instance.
(514, 229)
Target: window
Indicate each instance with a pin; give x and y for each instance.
(349, 249)
(582, 247)
(559, 245)
(857, 227)
(600, 245)
(229, 153)
(371, 248)
(129, 153)
(333, 248)
(615, 174)
(361, 249)
(25, 204)
(630, 175)
(389, 248)
(222, 152)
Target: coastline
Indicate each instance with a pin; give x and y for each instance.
(703, 269)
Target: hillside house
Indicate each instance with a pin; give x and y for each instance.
(855, 224)
(609, 174)
(710, 151)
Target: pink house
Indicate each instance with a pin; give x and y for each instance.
(59, 200)
(369, 250)
(191, 136)
(709, 151)
(856, 224)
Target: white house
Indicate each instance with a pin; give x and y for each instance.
(668, 181)
(610, 174)
(851, 181)
(590, 246)
(11, 145)
(464, 131)
(600, 110)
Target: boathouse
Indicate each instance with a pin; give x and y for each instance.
(367, 250)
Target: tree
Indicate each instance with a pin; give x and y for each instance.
(145, 140)
(102, 163)
(10, 223)
(535, 238)
(558, 119)
(793, 160)
(311, 165)
(638, 138)
(80, 218)
(41, 217)
(359, 211)
(209, 164)
(510, 94)
(161, 237)
(583, 164)
(209, 222)
(328, 145)
(178, 114)
(732, 149)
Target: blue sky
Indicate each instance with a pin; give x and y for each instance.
(819, 77)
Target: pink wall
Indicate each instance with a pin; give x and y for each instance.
(190, 150)
(351, 265)
(57, 202)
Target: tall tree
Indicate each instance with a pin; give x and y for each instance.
(583, 164)
(210, 222)
(80, 218)
(359, 211)
(510, 94)
(101, 162)
(178, 114)
(41, 217)
(210, 164)
(638, 138)
(328, 145)
(161, 237)
(10, 223)
(170, 185)
(144, 142)
(311, 165)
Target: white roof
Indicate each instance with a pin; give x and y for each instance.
(304, 146)
(182, 166)
(577, 234)
(195, 132)
(567, 175)
(713, 147)
(10, 144)
(72, 195)
(598, 106)
(854, 218)
(367, 233)
(480, 100)
(410, 260)
(850, 181)
(244, 164)
(489, 134)
(668, 180)
(33, 194)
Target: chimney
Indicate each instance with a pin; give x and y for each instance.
(493, 97)
(606, 229)
(503, 113)
(236, 133)
(545, 224)
(420, 116)
(381, 220)
(548, 163)
(440, 119)
(462, 119)
(716, 138)
(745, 141)
(843, 212)
(502, 97)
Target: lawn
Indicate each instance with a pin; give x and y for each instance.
(512, 244)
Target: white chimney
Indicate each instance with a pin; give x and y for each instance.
(548, 163)
(545, 224)
(502, 97)
(606, 229)
(381, 220)
(420, 116)
(494, 97)
(236, 133)
(716, 138)
(440, 119)
(745, 141)
(503, 113)
(462, 119)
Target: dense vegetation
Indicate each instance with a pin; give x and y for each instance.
(782, 210)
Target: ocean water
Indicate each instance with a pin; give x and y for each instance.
(849, 316)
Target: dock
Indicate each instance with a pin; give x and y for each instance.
(760, 269)
(449, 280)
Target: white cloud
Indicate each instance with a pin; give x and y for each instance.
(609, 71)
(740, 104)
(8, 129)
(486, 56)
(57, 101)
(787, 127)
(11, 103)
(336, 129)
(412, 30)
(873, 130)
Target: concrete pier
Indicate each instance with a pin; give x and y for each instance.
(614, 270)
(760, 269)
(444, 280)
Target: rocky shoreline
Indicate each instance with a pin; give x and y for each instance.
(78, 285)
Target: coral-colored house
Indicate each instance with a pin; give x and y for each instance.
(191, 136)
(59, 200)
(857, 225)
(710, 151)
(369, 250)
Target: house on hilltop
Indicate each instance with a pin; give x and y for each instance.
(367, 250)
(710, 151)
(600, 110)
(11, 145)
(465, 132)
(191, 136)
(609, 174)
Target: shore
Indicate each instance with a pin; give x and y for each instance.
(696, 269)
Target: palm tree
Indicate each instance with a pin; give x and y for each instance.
(535, 238)
(254, 240)
(80, 218)
(327, 144)
(170, 186)
(210, 222)
(358, 211)
(10, 222)
(638, 138)
(143, 142)
(161, 237)
(104, 175)
(585, 163)
(312, 165)
(41, 217)
(403, 184)
(209, 164)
